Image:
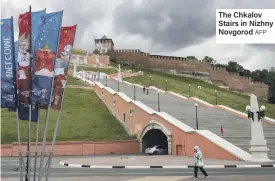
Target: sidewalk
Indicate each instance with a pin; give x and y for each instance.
(153, 161)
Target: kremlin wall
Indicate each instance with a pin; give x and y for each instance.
(179, 65)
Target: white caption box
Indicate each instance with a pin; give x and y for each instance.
(245, 26)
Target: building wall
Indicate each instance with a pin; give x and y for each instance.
(218, 76)
(77, 148)
(80, 59)
(103, 46)
(136, 122)
(103, 59)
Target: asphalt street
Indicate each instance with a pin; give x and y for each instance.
(59, 172)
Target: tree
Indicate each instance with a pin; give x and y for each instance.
(271, 92)
(272, 69)
(245, 72)
(234, 67)
(209, 60)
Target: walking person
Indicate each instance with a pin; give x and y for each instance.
(198, 163)
(143, 89)
(221, 130)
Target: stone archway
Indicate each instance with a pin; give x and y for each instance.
(155, 127)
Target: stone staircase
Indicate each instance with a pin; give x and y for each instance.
(236, 130)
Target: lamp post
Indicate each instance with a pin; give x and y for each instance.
(106, 81)
(189, 89)
(134, 92)
(258, 149)
(158, 103)
(165, 85)
(260, 114)
(197, 123)
(150, 80)
(117, 85)
(216, 97)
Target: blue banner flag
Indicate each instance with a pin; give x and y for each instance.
(8, 70)
(16, 66)
(35, 28)
(24, 112)
(16, 54)
(46, 49)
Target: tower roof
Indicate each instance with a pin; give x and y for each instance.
(104, 37)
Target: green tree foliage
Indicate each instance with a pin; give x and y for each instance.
(209, 60)
(266, 76)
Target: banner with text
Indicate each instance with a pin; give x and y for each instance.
(245, 26)
(65, 46)
(8, 69)
(24, 51)
(46, 48)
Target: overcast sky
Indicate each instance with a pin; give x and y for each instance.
(165, 27)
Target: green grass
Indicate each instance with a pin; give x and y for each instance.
(180, 85)
(95, 69)
(83, 117)
(73, 81)
(78, 52)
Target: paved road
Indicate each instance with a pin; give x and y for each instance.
(65, 173)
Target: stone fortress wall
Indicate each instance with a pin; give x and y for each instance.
(217, 75)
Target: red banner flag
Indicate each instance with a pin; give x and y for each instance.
(66, 40)
(23, 74)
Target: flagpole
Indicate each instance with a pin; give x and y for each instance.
(19, 145)
(36, 143)
(57, 121)
(28, 167)
(16, 105)
(48, 110)
(37, 136)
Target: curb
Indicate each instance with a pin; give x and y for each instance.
(166, 167)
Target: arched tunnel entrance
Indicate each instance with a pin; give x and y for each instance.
(153, 134)
(154, 137)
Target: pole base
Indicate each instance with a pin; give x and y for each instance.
(259, 153)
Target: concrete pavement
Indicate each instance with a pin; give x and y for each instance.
(60, 173)
(160, 178)
(145, 160)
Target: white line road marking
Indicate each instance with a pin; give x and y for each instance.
(137, 167)
(157, 178)
(248, 166)
(175, 167)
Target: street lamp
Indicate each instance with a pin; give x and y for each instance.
(158, 103)
(117, 85)
(216, 97)
(197, 123)
(260, 113)
(189, 89)
(105, 80)
(166, 85)
(134, 92)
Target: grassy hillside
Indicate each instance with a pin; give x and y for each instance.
(83, 117)
(95, 69)
(180, 85)
(72, 81)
